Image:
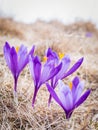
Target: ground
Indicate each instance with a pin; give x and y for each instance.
(68, 39)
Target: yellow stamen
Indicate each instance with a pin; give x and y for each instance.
(70, 85)
(61, 55)
(17, 48)
(44, 59)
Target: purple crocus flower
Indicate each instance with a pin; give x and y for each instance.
(16, 61)
(69, 97)
(41, 73)
(64, 72)
(51, 55)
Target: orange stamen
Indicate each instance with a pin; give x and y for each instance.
(44, 59)
(70, 85)
(17, 48)
(61, 55)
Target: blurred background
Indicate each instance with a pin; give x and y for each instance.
(66, 11)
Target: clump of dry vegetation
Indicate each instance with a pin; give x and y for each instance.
(70, 40)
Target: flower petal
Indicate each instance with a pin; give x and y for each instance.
(65, 64)
(49, 71)
(65, 95)
(78, 91)
(75, 83)
(52, 55)
(74, 68)
(14, 62)
(46, 71)
(55, 70)
(6, 51)
(54, 95)
(35, 68)
(32, 51)
(31, 67)
(22, 50)
(22, 58)
(82, 98)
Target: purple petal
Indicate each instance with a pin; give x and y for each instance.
(65, 64)
(6, 51)
(55, 70)
(31, 65)
(52, 55)
(82, 98)
(35, 68)
(32, 51)
(74, 68)
(7, 46)
(22, 51)
(46, 71)
(75, 83)
(53, 73)
(14, 63)
(54, 95)
(22, 64)
(78, 91)
(24, 57)
(65, 95)
(49, 72)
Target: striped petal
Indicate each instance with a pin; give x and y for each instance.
(65, 64)
(65, 95)
(82, 98)
(35, 68)
(14, 62)
(78, 91)
(74, 68)
(52, 55)
(54, 95)
(75, 83)
(6, 51)
(49, 71)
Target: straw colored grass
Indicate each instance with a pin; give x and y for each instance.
(60, 38)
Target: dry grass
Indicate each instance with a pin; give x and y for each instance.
(62, 39)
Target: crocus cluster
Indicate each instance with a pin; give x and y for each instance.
(64, 71)
(51, 72)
